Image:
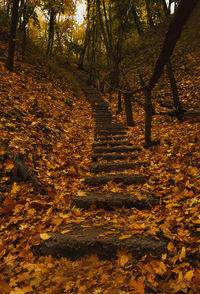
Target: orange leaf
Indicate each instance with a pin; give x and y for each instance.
(15, 188)
(125, 237)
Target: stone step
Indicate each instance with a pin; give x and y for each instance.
(110, 157)
(109, 133)
(101, 240)
(113, 200)
(112, 143)
(111, 127)
(100, 106)
(106, 167)
(127, 179)
(116, 149)
(102, 114)
(113, 138)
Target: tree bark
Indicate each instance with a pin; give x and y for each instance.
(13, 28)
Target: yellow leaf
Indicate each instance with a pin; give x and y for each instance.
(164, 256)
(45, 236)
(123, 260)
(81, 193)
(125, 237)
(189, 275)
(182, 254)
(65, 231)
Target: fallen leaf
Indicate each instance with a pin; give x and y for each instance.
(65, 231)
(182, 254)
(123, 260)
(45, 236)
(125, 237)
(189, 275)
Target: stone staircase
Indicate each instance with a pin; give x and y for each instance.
(112, 154)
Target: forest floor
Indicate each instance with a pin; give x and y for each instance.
(52, 131)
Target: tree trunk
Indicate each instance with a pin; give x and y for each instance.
(51, 32)
(137, 21)
(148, 118)
(128, 110)
(82, 54)
(24, 31)
(173, 34)
(8, 10)
(149, 15)
(13, 28)
(92, 56)
(174, 31)
(119, 102)
(164, 4)
(177, 103)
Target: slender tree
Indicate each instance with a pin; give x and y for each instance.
(13, 28)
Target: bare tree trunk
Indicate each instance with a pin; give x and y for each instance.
(174, 88)
(128, 110)
(13, 28)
